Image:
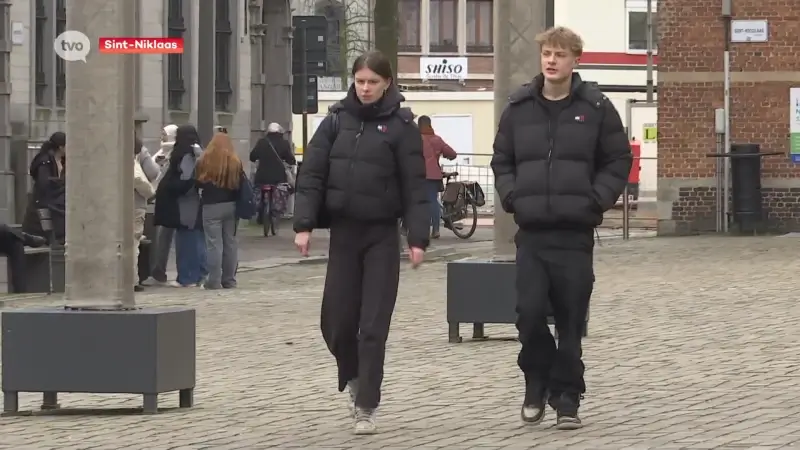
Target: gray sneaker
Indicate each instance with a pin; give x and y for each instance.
(365, 421)
(352, 391)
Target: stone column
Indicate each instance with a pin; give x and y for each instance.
(100, 111)
(7, 207)
(516, 61)
(278, 55)
(206, 74)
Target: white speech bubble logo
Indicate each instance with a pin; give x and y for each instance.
(72, 46)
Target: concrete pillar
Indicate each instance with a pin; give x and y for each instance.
(257, 78)
(99, 125)
(206, 74)
(7, 208)
(278, 68)
(516, 62)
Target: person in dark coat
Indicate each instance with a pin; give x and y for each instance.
(364, 169)
(178, 207)
(561, 159)
(270, 153)
(47, 170)
(12, 245)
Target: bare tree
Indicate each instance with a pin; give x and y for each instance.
(387, 28)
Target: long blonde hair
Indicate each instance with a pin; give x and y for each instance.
(219, 164)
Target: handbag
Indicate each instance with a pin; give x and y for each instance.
(290, 178)
(245, 200)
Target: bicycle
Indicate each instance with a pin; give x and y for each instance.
(457, 210)
(269, 219)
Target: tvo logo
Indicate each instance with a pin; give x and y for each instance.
(72, 46)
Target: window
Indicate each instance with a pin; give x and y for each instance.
(42, 54)
(61, 65)
(409, 26)
(176, 85)
(479, 26)
(222, 47)
(637, 29)
(444, 26)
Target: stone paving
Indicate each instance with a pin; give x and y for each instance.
(693, 343)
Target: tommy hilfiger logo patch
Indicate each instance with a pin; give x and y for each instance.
(382, 128)
(580, 119)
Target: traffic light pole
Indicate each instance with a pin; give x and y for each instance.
(304, 84)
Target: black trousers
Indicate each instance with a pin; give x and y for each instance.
(358, 302)
(12, 245)
(554, 274)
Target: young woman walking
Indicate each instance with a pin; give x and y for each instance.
(362, 171)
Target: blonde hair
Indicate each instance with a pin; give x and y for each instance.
(219, 164)
(561, 37)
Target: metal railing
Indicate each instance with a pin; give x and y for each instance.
(627, 202)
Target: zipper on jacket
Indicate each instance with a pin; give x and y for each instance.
(551, 144)
(355, 157)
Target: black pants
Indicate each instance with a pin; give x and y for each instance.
(12, 245)
(554, 274)
(359, 299)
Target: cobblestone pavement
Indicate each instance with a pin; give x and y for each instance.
(693, 344)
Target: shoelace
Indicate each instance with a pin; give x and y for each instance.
(364, 415)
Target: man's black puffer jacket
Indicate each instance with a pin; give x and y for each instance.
(562, 179)
(365, 163)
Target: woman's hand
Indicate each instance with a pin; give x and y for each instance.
(416, 256)
(303, 242)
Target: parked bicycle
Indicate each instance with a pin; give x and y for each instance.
(459, 206)
(459, 203)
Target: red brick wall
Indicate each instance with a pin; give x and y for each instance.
(692, 40)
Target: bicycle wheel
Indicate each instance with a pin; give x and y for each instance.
(266, 216)
(465, 227)
(274, 220)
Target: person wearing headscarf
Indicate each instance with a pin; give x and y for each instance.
(178, 207)
(163, 236)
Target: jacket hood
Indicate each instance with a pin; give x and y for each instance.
(385, 106)
(532, 90)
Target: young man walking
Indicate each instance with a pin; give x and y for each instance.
(561, 159)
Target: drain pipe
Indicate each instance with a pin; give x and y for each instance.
(727, 13)
(650, 84)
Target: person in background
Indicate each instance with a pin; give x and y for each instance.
(162, 244)
(272, 154)
(434, 147)
(12, 245)
(363, 170)
(143, 191)
(219, 178)
(47, 170)
(178, 207)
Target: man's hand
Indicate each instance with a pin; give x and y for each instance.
(416, 256)
(303, 242)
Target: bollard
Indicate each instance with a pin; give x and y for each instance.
(626, 226)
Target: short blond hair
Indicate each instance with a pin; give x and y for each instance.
(561, 37)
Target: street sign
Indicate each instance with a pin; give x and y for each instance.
(309, 104)
(310, 42)
(749, 31)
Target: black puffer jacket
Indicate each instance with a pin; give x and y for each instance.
(562, 179)
(365, 163)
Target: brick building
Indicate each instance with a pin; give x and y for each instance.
(690, 87)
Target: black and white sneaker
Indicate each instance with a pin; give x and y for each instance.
(533, 406)
(566, 406)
